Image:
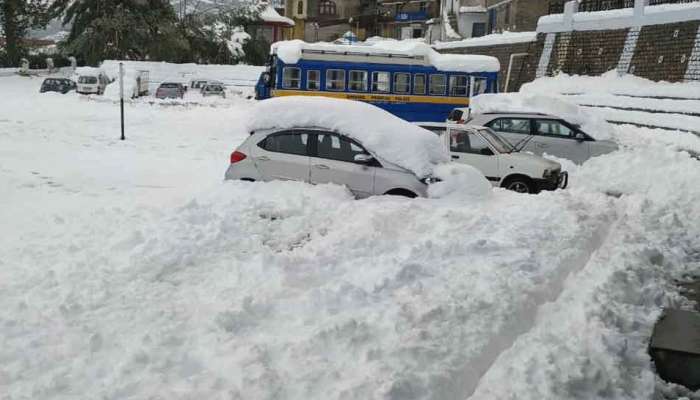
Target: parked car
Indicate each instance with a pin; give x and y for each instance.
(198, 83)
(201, 88)
(60, 85)
(170, 90)
(92, 83)
(542, 133)
(498, 160)
(213, 90)
(344, 142)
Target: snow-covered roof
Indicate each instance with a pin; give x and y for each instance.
(269, 14)
(490, 40)
(591, 123)
(381, 133)
(290, 52)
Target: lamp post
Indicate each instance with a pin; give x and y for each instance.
(121, 96)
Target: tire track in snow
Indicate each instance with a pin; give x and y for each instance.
(526, 321)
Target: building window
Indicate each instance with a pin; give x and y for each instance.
(419, 84)
(478, 29)
(335, 80)
(300, 8)
(438, 85)
(326, 7)
(291, 78)
(381, 82)
(402, 83)
(357, 81)
(313, 80)
(459, 85)
(423, 6)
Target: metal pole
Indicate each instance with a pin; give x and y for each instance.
(121, 96)
(510, 68)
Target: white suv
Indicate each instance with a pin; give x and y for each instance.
(483, 149)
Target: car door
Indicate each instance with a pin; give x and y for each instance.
(283, 156)
(468, 147)
(333, 161)
(516, 131)
(558, 139)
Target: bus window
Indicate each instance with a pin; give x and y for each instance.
(291, 78)
(480, 85)
(313, 80)
(335, 80)
(357, 81)
(437, 85)
(419, 84)
(402, 83)
(459, 85)
(380, 82)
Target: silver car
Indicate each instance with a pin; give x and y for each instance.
(214, 90)
(317, 156)
(541, 133)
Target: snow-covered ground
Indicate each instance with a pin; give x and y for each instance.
(130, 270)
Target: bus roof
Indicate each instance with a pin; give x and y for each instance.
(405, 52)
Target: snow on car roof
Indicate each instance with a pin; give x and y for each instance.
(290, 52)
(381, 133)
(519, 103)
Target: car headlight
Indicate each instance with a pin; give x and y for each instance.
(430, 180)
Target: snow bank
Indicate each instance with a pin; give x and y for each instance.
(612, 83)
(590, 123)
(290, 52)
(459, 181)
(493, 39)
(386, 136)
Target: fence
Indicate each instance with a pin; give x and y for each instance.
(557, 6)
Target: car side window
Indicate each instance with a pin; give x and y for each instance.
(511, 125)
(548, 127)
(287, 143)
(467, 142)
(334, 147)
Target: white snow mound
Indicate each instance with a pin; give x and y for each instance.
(386, 136)
(459, 181)
(590, 123)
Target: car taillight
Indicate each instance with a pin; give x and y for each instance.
(237, 156)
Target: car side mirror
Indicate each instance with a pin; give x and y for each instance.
(486, 152)
(266, 78)
(363, 158)
(580, 136)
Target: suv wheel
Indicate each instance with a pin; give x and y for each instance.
(519, 184)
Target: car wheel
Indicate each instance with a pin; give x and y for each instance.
(519, 184)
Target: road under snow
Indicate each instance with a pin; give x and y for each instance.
(130, 270)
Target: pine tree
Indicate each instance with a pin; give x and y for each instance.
(121, 29)
(16, 18)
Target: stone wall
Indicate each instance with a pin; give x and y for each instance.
(669, 52)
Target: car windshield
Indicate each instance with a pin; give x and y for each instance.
(87, 79)
(214, 88)
(170, 85)
(496, 141)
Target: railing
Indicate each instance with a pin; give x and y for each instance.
(557, 6)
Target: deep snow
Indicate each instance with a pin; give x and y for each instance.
(130, 270)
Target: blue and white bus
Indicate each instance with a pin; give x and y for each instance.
(414, 82)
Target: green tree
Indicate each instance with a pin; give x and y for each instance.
(121, 29)
(16, 18)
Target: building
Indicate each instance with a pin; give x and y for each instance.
(463, 19)
(273, 27)
(325, 20)
(405, 19)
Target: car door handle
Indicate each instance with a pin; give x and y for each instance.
(321, 166)
(455, 157)
(263, 158)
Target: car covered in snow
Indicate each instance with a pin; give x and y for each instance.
(498, 160)
(543, 133)
(59, 85)
(92, 83)
(321, 140)
(214, 89)
(170, 90)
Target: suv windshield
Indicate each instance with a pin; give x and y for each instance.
(170, 85)
(496, 141)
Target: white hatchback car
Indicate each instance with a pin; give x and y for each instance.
(485, 150)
